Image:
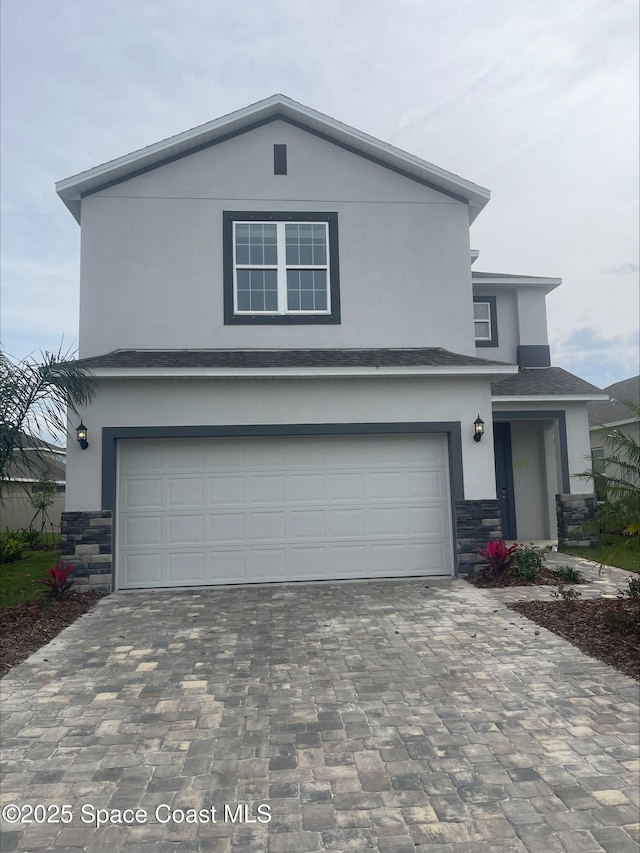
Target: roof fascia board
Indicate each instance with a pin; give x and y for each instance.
(541, 398)
(296, 372)
(517, 281)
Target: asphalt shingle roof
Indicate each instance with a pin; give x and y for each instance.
(544, 381)
(423, 357)
(614, 410)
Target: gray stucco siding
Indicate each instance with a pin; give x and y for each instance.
(158, 403)
(152, 250)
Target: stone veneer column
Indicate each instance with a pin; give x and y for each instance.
(477, 522)
(572, 511)
(86, 545)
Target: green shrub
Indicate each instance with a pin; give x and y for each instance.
(11, 546)
(31, 539)
(634, 589)
(568, 574)
(570, 596)
(527, 561)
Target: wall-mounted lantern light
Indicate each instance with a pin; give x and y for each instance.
(82, 436)
(478, 428)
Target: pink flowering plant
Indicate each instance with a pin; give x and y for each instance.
(58, 580)
(498, 556)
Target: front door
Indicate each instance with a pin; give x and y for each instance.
(504, 478)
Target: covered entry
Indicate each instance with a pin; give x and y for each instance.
(531, 469)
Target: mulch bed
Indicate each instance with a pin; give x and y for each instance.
(485, 580)
(26, 627)
(587, 624)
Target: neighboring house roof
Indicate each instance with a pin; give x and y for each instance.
(614, 411)
(501, 278)
(277, 107)
(439, 360)
(31, 442)
(37, 459)
(545, 382)
(35, 468)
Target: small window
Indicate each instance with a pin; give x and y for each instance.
(281, 268)
(484, 321)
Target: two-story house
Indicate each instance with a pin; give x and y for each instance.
(295, 362)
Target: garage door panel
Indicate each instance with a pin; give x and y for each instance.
(267, 489)
(142, 494)
(229, 567)
(281, 509)
(230, 459)
(432, 519)
(350, 523)
(427, 557)
(387, 559)
(268, 526)
(269, 564)
(384, 486)
(185, 456)
(308, 524)
(228, 527)
(185, 567)
(305, 488)
(424, 484)
(143, 569)
(307, 563)
(187, 529)
(350, 561)
(307, 455)
(185, 491)
(226, 490)
(348, 486)
(343, 452)
(142, 530)
(386, 522)
(141, 457)
(268, 454)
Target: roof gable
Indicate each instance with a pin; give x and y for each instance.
(73, 189)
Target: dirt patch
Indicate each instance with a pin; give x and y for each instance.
(604, 628)
(25, 627)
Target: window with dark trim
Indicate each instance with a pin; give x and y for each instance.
(280, 267)
(485, 324)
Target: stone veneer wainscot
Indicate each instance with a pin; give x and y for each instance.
(572, 511)
(477, 522)
(86, 544)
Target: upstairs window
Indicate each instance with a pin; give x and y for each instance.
(281, 268)
(484, 321)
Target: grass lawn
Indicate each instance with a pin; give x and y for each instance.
(617, 551)
(18, 580)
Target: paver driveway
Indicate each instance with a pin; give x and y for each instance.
(387, 717)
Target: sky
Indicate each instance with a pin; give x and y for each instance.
(537, 100)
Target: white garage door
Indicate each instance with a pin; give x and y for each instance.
(251, 510)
